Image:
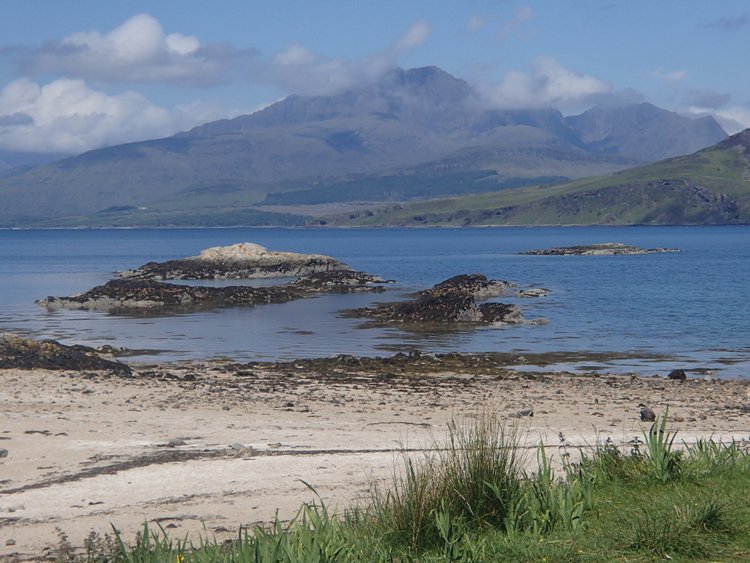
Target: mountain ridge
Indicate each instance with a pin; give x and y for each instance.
(409, 120)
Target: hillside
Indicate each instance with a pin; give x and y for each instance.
(711, 186)
(413, 134)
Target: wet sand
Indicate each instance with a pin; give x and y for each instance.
(205, 447)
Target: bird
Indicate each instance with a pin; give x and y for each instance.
(647, 415)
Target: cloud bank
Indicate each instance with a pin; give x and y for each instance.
(67, 116)
(546, 83)
(138, 51)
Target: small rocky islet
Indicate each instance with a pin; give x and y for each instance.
(451, 301)
(141, 289)
(603, 249)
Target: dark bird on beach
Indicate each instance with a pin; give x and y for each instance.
(647, 415)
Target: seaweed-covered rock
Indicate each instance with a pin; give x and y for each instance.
(123, 295)
(239, 261)
(148, 294)
(604, 249)
(26, 353)
(451, 301)
(340, 281)
(475, 285)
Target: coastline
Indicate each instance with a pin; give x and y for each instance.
(203, 447)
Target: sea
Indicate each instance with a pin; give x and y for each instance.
(645, 314)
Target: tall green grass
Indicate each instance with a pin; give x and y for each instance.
(472, 498)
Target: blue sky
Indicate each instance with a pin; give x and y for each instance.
(83, 74)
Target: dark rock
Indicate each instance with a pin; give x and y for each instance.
(532, 292)
(25, 353)
(3, 452)
(176, 443)
(678, 374)
(604, 249)
(144, 294)
(647, 415)
(451, 301)
(340, 281)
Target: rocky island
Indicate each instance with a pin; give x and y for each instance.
(450, 301)
(141, 289)
(604, 249)
(244, 260)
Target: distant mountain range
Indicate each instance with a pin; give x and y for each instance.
(419, 133)
(708, 187)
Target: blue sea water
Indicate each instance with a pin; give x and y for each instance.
(688, 309)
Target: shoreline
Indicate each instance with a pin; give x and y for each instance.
(222, 444)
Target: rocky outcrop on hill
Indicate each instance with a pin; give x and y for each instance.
(604, 249)
(239, 261)
(125, 295)
(26, 353)
(451, 301)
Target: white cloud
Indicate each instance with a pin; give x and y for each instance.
(138, 51)
(547, 83)
(67, 116)
(523, 15)
(294, 55)
(417, 34)
(297, 70)
(475, 23)
(671, 76)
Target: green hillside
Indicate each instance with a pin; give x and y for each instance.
(711, 186)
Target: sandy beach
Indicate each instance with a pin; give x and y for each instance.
(205, 447)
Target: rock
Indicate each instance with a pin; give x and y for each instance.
(450, 301)
(10, 541)
(647, 415)
(532, 292)
(123, 295)
(176, 443)
(26, 353)
(604, 249)
(525, 412)
(678, 374)
(340, 281)
(3, 452)
(238, 261)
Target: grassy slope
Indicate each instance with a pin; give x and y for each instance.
(719, 170)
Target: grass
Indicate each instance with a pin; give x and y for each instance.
(473, 499)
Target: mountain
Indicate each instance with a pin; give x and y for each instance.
(710, 186)
(413, 133)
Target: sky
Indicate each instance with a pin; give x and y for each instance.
(81, 74)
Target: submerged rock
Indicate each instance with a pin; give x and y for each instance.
(604, 249)
(451, 301)
(26, 353)
(239, 261)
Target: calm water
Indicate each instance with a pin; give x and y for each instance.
(691, 306)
